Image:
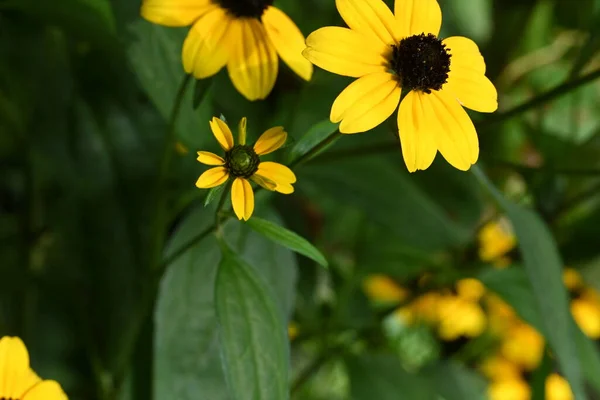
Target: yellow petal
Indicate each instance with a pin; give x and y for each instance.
(222, 133)
(15, 375)
(175, 12)
(288, 41)
(46, 390)
(270, 141)
(242, 198)
(264, 182)
(253, 64)
(206, 47)
(212, 177)
(242, 130)
(345, 52)
(416, 132)
(557, 388)
(418, 16)
(454, 132)
(366, 102)
(278, 173)
(208, 158)
(466, 79)
(372, 18)
(587, 316)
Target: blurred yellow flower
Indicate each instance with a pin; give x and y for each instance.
(293, 330)
(459, 317)
(572, 279)
(17, 380)
(510, 389)
(390, 53)
(500, 314)
(587, 316)
(242, 162)
(557, 388)
(470, 289)
(382, 289)
(422, 309)
(523, 345)
(245, 36)
(495, 240)
(498, 368)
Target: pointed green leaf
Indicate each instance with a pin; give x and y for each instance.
(252, 333)
(544, 269)
(287, 238)
(213, 193)
(315, 135)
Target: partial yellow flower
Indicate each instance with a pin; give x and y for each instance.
(470, 289)
(293, 330)
(587, 315)
(572, 279)
(498, 368)
(557, 388)
(244, 35)
(459, 317)
(524, 346)
(390, 53)
(501, 315)
(383, 289)
(496, 238)
(509, 389)
(242, 163)
(17, 380)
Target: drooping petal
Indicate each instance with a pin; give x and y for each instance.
(270, 141)
(264, 182)
(212, 177)
(222, 133)
(46, 390)
(253, 64)
(372, 18)
(278, 173)
(288, 41)
(466, 79)
(15, 375)
(175, 12)
(207, 46)
(366, 102)
(345, 52)
(454, 131)
(242, 198)
(242, 131)
(416, 133)
(208, 158)
(418, 16)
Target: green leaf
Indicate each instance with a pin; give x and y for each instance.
(287, 238)
(213, 194)
(382, 377)
(452, 381)
(252, 334)
(316, 134)
(544, 269)
(200, 90)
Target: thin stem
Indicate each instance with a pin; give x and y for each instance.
(218, 215)
(320, 146)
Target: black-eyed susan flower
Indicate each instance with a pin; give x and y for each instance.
(392, 53)
(244, 35)
(17, 380)
(242, 163)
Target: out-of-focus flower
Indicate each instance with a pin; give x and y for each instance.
(500, 314)
(422, 309)
(382, 289)
(459, 317)
(557, 388)
(470, 289)
(293, 330)
(587, 316)
(509, 389)
(572, 279)
(498, 368)
(245, 36)
(242, 163)
(391, 53)
(495, 240)
(523, 345)
(17, 380)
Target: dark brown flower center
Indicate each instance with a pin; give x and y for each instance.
(421, 62)
(241, 161)
(245, 8)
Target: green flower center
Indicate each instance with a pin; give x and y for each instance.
(421, 62)
(245, 8)
(241, 161)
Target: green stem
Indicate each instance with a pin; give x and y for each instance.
(320, 146)
(218, 216)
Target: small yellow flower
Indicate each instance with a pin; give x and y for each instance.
(498, 368)
(460, 317)
(470, 289)
(383, 289)
(501, 315)
(572, 279)
(18, 380)
(244, 35)
(495, 240)
(391, 53)
(557, 388)
(509, 389)
(242, 162)
(587, 315)
(523, 345)
(293, 330)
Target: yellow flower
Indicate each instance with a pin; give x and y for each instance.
(557, 388)
(470, 289)
(459, 317)
(383, 289)
(293, 330)
(509, 389)
(501, 316)
(524, 346)
(572, 279)
(245, 35)
(18, 380)
(391, 53)
(242, 162)
(587, 315)
(498, 368)
(495, 240)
